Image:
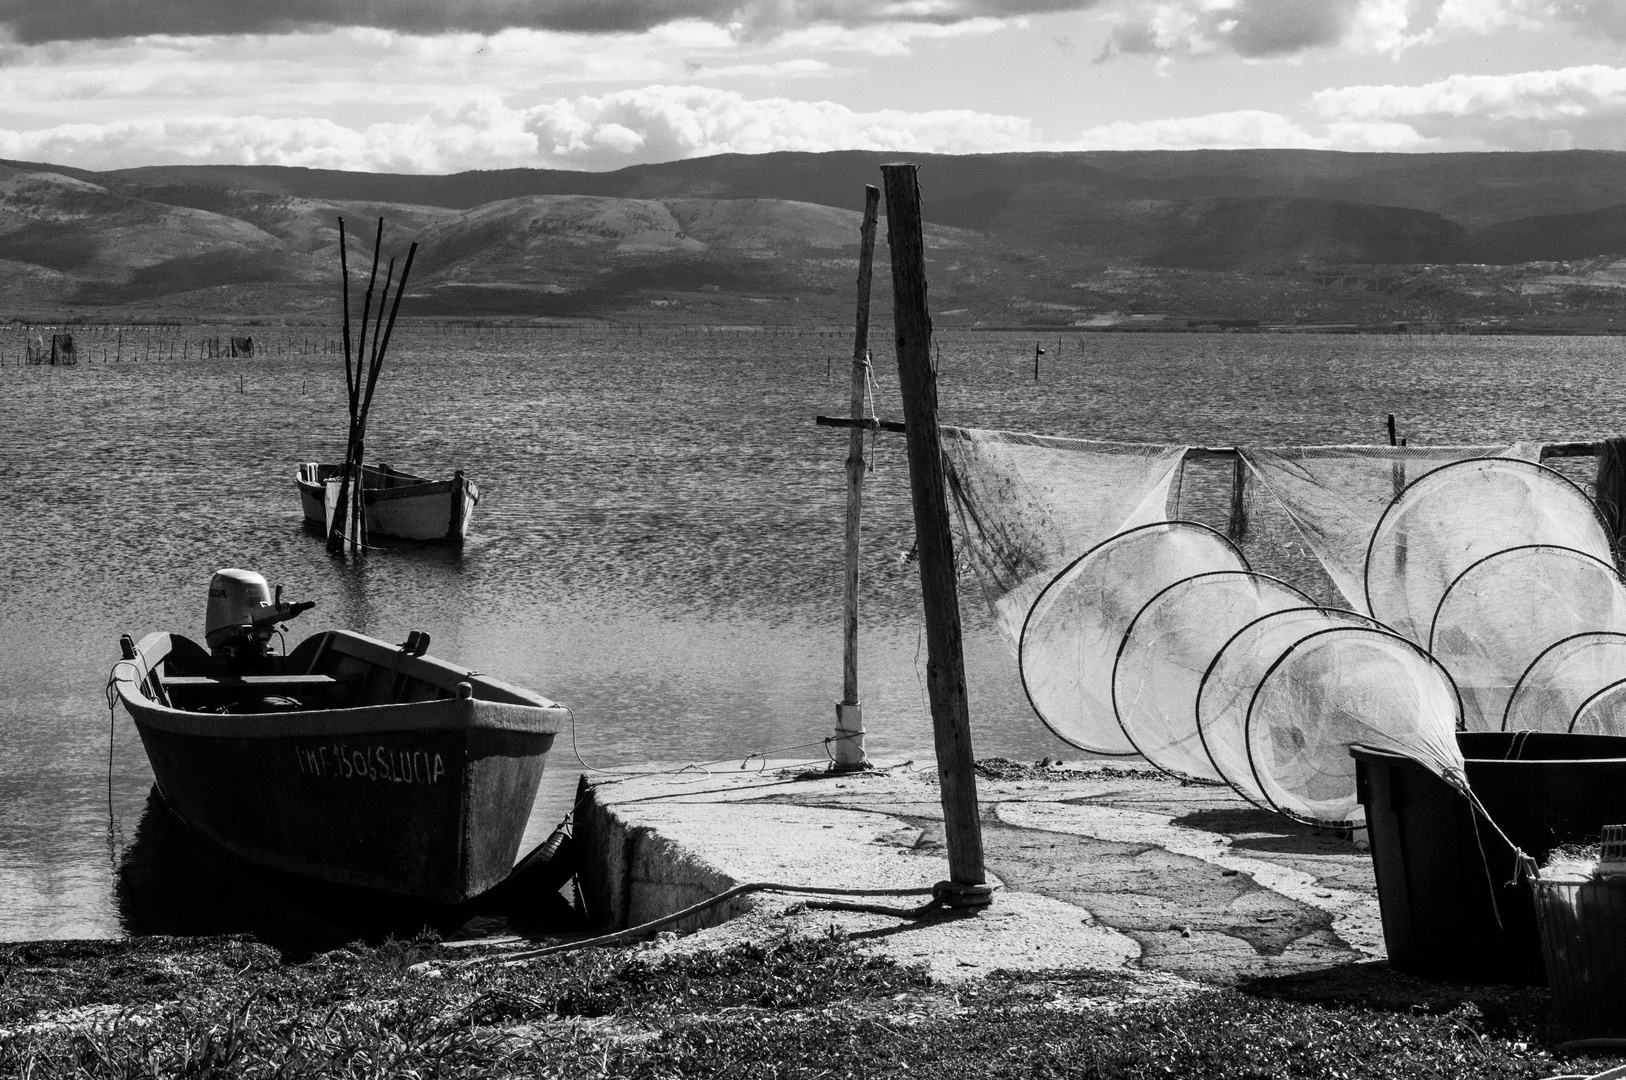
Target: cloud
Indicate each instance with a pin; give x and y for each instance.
(32, 21)
(1245, 129)
(1253, 28)
(1532, 110)
(1259, 29)
(656, 123)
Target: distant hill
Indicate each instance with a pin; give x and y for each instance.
(1014, 237)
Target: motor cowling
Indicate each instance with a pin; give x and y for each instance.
(242, 616)
(236, 599)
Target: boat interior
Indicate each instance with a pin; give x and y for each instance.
(372, 476)
(334, 669)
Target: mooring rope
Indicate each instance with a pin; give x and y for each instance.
(943, 898)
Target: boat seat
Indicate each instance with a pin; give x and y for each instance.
(199, 691)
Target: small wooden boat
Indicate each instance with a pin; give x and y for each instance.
(398, 505)
(350, 760)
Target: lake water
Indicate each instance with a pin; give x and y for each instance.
(658, 543)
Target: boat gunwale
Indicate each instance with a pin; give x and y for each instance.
(544, 717)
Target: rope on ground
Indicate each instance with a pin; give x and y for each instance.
(944, 895)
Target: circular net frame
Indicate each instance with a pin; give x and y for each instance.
(1167, 648)
(1335, 689)
(1451, 518)
(1228, 686)
(1559, 681)
(1069, 641)
(1501, 612)
(1604, 713)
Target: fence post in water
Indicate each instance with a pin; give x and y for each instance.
(945, 658)
(848, 752)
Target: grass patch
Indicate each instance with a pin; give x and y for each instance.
(788, 1008)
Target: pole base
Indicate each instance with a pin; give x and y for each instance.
(955, 895)
(847, 745)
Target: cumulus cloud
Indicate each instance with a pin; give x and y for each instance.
(73, 20)
(1532, 110)
(1249, 128)
(1274, 28)
(656, 123)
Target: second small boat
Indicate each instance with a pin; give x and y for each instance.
(397, 505)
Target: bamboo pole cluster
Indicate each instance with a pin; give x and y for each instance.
(349, 524)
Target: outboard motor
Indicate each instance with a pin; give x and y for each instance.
(241, 618)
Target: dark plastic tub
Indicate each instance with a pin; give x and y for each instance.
(1583, 938)
(1451, 908)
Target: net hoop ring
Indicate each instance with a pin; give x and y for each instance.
(1594, 696)
(1371, 542)
(1433, 623)
(1381, 631)
(1123, 643)
(1202, 685)
(1514, 695)
(1022, 638)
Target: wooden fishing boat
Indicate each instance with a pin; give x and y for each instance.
(349, 761)
(398, 505)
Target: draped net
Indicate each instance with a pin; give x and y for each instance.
(1028, 505)
(1560, 680)
(1069, 643)
(1319, 504)
(1166, 650)
(1500, 614)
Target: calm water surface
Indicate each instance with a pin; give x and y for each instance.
(658, 543)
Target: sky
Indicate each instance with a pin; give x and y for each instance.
(440, 86)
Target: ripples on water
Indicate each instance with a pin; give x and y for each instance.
(658, 543)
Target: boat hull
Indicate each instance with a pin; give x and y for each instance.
(396, 505)
(426, 799)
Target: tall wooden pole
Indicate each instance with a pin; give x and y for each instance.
(848, 750)
(945, 659)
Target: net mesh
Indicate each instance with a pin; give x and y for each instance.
(1604, 713)
(1069, 643)
(1230, 619)
(1339, 688)
(1166, 649)
(1227, 687)
(1501, 612)
(1559, 681)
(1309, 511)
(1451, 518)
(1029, 505)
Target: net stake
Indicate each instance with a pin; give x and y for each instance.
(945, 658)
(847, 751)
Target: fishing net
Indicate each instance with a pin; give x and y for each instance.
(1029, 505)
(1604, 713)
(1557, 683)
(1227, 687)
(1167, 647)
(1069, 642)
(1337, 688)
(1458, 514)
(1306, 513)
(1501, 612)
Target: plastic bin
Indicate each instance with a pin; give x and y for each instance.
(1583, 941)
(1451, 908)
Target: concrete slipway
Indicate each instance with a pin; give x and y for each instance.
(1101, 866)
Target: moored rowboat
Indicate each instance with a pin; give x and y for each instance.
(397, 504)
(350, 760)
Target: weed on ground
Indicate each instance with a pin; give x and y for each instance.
(791, 1008)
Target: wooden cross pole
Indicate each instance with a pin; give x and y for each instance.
(945, 658)
(847, 752)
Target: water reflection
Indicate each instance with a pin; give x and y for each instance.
(172, 882)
